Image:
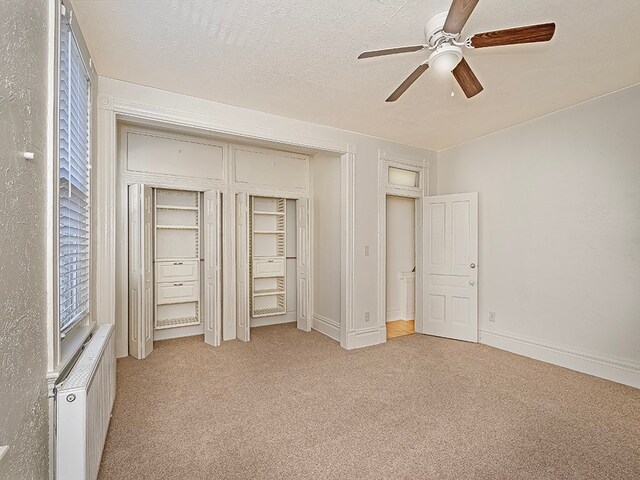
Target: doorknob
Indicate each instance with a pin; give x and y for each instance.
(473, 265)
(472, 283)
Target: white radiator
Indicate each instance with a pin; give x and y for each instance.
(84, 403)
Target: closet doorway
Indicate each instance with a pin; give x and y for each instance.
(174, 265)
(400, 265)
(272, 262)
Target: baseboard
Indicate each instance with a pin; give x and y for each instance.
(618, 370)
(274, 319)
(366, 338)
(393, 315)
(327, 326)
(179, 332)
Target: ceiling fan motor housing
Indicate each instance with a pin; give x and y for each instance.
(445, 57)
(433, 30)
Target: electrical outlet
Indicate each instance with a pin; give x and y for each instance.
(366, 317)
(366, 250)
(492, 316)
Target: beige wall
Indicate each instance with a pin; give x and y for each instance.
(23, 214)
(560, 226)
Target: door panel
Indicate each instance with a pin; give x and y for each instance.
(212, 269)
(242, 267)
(140, 271)
(303, 255)
(450, 295)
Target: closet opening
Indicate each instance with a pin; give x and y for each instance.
(272, 261)
(400, 265)
(174, 265)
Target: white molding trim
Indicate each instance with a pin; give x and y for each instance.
(170, 333)
(249, 131)
(366, 338)
(611, 368)
(289, 317)
(347, 247)
(326, 326)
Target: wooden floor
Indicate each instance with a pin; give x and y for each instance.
(400, 328)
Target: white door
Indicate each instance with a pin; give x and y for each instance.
(242, 267)
(450, 267)
(302, 264)
(140, 271)
(211, 250)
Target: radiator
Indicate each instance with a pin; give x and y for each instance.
(83, 405)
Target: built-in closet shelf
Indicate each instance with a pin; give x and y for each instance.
(176, 207)
(177, 322)
(265, 293)
(267, 248)
(177, 258)
(178, 227)
(269, 213)
(267, 312)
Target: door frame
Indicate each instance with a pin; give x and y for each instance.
(421, 166)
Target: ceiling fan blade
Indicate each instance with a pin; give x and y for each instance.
(467, 80)
(459, 13)
(408, 82)
(391, 51)
(512, 36)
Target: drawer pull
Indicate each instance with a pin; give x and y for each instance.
(177, 263)
(178, 284)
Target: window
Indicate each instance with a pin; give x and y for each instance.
(403, 177)
(73, 182)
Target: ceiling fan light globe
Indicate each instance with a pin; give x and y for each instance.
(445, 58)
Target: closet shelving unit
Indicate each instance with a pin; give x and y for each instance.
(177, 258)
(267, 250)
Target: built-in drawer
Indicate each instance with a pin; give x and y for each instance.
(178, 292)
(268, 267)
(178, 271)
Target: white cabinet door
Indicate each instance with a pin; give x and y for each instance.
(212, 297)
(450, 267)
(303, 255)
(140, 271)
(242, 267)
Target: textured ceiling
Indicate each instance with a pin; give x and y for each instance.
(297, 58)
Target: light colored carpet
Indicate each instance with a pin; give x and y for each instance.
(293, 405)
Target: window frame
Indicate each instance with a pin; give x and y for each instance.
(68, 341)
(403, 190)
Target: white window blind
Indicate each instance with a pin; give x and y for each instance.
(74, 184)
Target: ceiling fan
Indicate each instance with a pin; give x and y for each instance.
(442, 33)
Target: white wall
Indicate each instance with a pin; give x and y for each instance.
(325, 188)
(560, 234)
(401, 248)
(23, 239)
